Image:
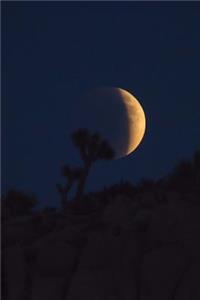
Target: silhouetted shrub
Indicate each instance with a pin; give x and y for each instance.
(17, 203)
(186, 175)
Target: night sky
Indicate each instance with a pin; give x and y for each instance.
(53, 52)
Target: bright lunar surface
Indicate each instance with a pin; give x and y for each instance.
(116, 115)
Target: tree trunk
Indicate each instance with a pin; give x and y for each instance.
(62, 201)
(81, 184)
(64, 195)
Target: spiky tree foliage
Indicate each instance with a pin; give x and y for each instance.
(91, 148)
(72, 174)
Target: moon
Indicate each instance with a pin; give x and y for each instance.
(136, 120)
(117, 115)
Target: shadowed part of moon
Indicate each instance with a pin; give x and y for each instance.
(110, 112)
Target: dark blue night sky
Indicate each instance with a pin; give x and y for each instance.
(53, 52)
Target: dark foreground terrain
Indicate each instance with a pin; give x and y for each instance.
(125, 242)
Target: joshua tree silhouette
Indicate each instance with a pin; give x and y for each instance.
(92, 147)
(71, 175)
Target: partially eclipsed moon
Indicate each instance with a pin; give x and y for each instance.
(136, 120)
(116, 115)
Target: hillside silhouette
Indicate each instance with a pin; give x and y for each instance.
(126, 241)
